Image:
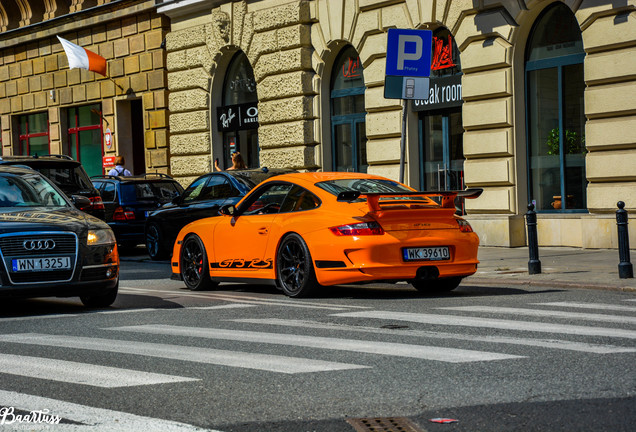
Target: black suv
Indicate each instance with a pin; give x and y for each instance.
(128, 200)
(48, 247)
(67, 174)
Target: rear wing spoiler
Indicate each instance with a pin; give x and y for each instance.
(447, 197)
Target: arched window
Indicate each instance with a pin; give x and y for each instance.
(555, 112)
(348, 131)
(238, 117)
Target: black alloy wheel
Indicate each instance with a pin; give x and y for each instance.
(437, 286)
(294, 267)
(194, 265)
(154, 240)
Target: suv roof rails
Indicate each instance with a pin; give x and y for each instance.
(61, 156)
(134, 177)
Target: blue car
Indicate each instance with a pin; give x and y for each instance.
(128, 200)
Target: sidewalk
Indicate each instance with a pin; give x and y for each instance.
(560, 267)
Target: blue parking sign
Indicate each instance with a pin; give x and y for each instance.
(408, 52)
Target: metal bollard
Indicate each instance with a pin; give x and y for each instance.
(534, 264)
(625, 269)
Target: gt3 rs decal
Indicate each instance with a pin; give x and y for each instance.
(239, 263)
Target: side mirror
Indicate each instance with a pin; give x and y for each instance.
(228, 210)
(80, 201)
(177, 200)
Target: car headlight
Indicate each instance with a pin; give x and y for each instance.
(100, 237)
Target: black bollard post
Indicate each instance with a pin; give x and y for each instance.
(534, 264)
(625, 269)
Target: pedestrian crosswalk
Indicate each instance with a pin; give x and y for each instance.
(332, 341)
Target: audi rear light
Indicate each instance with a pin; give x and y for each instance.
(358, 229)
(121, 214)
(96, 203)
(464, 226)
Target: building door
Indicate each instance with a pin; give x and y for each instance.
(442, 149)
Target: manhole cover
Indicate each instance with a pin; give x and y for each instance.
(384, 424)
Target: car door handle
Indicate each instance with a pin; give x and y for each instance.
(263, 230)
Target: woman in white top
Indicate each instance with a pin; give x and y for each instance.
(119, 169)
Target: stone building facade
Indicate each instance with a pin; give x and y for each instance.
(73, 108)
(505, 48)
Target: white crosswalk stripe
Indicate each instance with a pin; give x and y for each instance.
(544, 313)
(89, 418)
(529, 326)
(271, 363)
(81, 373)
(544, 343)
(451, 355)
(594, 306)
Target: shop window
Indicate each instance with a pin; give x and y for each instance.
(348, 130)
(555, 112)
(238, 117)
(85, 137)
(34, 134)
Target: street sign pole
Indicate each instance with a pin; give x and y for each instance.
(403, 139)
(408, 66)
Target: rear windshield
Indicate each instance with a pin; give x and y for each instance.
(362, 185)
(366, 185)
(250, 179)
(159, 192)
(68, 178)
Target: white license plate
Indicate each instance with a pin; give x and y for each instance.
(426, 254)
(41, 264)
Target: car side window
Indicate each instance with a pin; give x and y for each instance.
(193, 192)
(269, 200)
(108, 192)
(217, 188)
(299, 199)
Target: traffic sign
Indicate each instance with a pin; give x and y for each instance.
(408, 52)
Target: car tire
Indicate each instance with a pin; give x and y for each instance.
(193, 262)
(154, 243)
(101, 300)
(437, 285)
(294, 267)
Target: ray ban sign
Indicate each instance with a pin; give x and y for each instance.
(237, 117)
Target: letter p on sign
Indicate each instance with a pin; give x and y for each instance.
(408, 52)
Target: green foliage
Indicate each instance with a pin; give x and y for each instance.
(575, 143)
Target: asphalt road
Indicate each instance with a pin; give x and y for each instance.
(246, 358)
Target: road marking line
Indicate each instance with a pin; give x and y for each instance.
(27, 318)
(81, 373)
(544, 343)
(597, 306)
(272, 363)
(225, 306)
(544, 313)
(91, 419)
(492, 323)
(451, 355)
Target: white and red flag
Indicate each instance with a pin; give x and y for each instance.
(82, 58)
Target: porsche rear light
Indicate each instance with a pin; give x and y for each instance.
(359, 229)
(464, 226)
(96, 203)
(122, 214)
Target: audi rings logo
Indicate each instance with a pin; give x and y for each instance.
(33, 245)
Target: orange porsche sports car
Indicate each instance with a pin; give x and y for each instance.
(303, 230)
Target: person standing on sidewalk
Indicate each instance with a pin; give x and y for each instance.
(119, 169)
